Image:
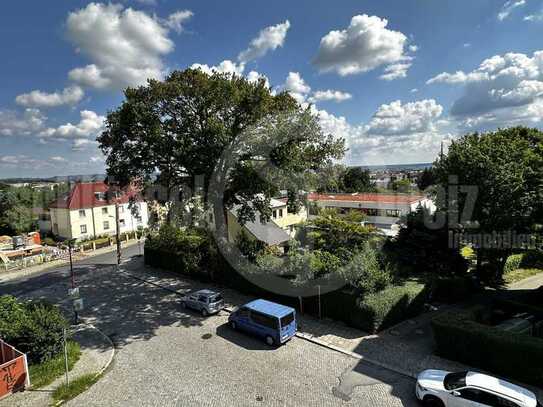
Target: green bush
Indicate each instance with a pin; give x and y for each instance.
(383, 309)
(526, 260)
(512, 263)
(459, 337)
(364, 271)
(34, 328)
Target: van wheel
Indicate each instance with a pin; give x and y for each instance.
(233, 325)
(269, 340)
(204, 312)
(431, 401)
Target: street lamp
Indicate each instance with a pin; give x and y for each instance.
(71, 243)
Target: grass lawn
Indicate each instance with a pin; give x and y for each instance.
(520, 274)
(67, 392)
(45, 373)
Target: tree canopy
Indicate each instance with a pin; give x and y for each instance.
(232, 132)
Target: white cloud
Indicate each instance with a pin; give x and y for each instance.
(466, 45)
(175, 20)
(268, 39)
(365, 45)
(80, 144)
(324, 95)
(414, 90)
(125, 46)
(409, 118)
(254, 76)
(508, 8)
(97, 159)
(25, 124)
(69, 96)
(58, 159)
(226, 66)
(395, 71)
(413, 48)
(506, 81)
(81, 134)
(397, 133)
(534, 17)
(296, 86)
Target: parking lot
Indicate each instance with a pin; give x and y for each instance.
(167, 356)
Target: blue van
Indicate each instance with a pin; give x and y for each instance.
(275, 323)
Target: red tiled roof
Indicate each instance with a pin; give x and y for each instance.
(82, 196)
(367, 197)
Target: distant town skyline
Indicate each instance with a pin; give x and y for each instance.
(394, 79)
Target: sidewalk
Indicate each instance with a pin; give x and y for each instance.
(97, 353)
(29, 271)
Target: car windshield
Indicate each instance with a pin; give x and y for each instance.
(287, 319)
(216, 298)
(455, 380)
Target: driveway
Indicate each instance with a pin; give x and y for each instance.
(170, 357)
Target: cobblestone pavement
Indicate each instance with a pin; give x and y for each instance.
(169, 357)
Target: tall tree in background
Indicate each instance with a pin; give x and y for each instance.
(356, 179)
(506, 167)
(426, 179)
(185, 125)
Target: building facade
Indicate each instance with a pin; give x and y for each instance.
(89, 210)
(383, 211)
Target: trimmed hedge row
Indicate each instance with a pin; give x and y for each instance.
(459, 337)
(390, 306)
(373, 313)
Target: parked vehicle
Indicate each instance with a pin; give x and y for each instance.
(438, 388)
(205, 301)
(275, 323)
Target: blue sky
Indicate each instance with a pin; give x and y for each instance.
(394, 78)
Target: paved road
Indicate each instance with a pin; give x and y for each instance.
(170, 357)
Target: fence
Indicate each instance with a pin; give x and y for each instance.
(13, 370)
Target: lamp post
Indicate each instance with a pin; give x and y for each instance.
(118, 234)
(72, 275)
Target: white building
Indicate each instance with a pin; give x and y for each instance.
(382, 210)
(89, 210)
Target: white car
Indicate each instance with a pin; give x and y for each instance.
(438, 388)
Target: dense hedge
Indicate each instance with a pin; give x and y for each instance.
(390, 306)
(35, 328)
(526, 260)
(450, 290)
(459, 337)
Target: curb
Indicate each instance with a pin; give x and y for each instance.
(103, 369)
(304, 336)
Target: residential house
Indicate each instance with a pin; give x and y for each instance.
(383, 211)
(89, 210)
(276, 232)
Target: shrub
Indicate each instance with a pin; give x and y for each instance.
(365, 272)
(528, 259)
(35, 328)
(512, 263)
(459, 337)
(390, 306)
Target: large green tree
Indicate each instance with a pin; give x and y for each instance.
(494, 183)
(356, 179)
(233, 133)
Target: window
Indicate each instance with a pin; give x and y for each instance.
(264, 320)
(501, 402)
(244, 312)
(395, 213)
(287, 319)
(471, 394)
(372, 212)
(274, 215)
(83, 228)
(202, 298)
(82, 213)
(99, 196)
(280, 213)
(106, 225)
(455, 380)
(121, 223)
(104, 211)
(121, 209)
